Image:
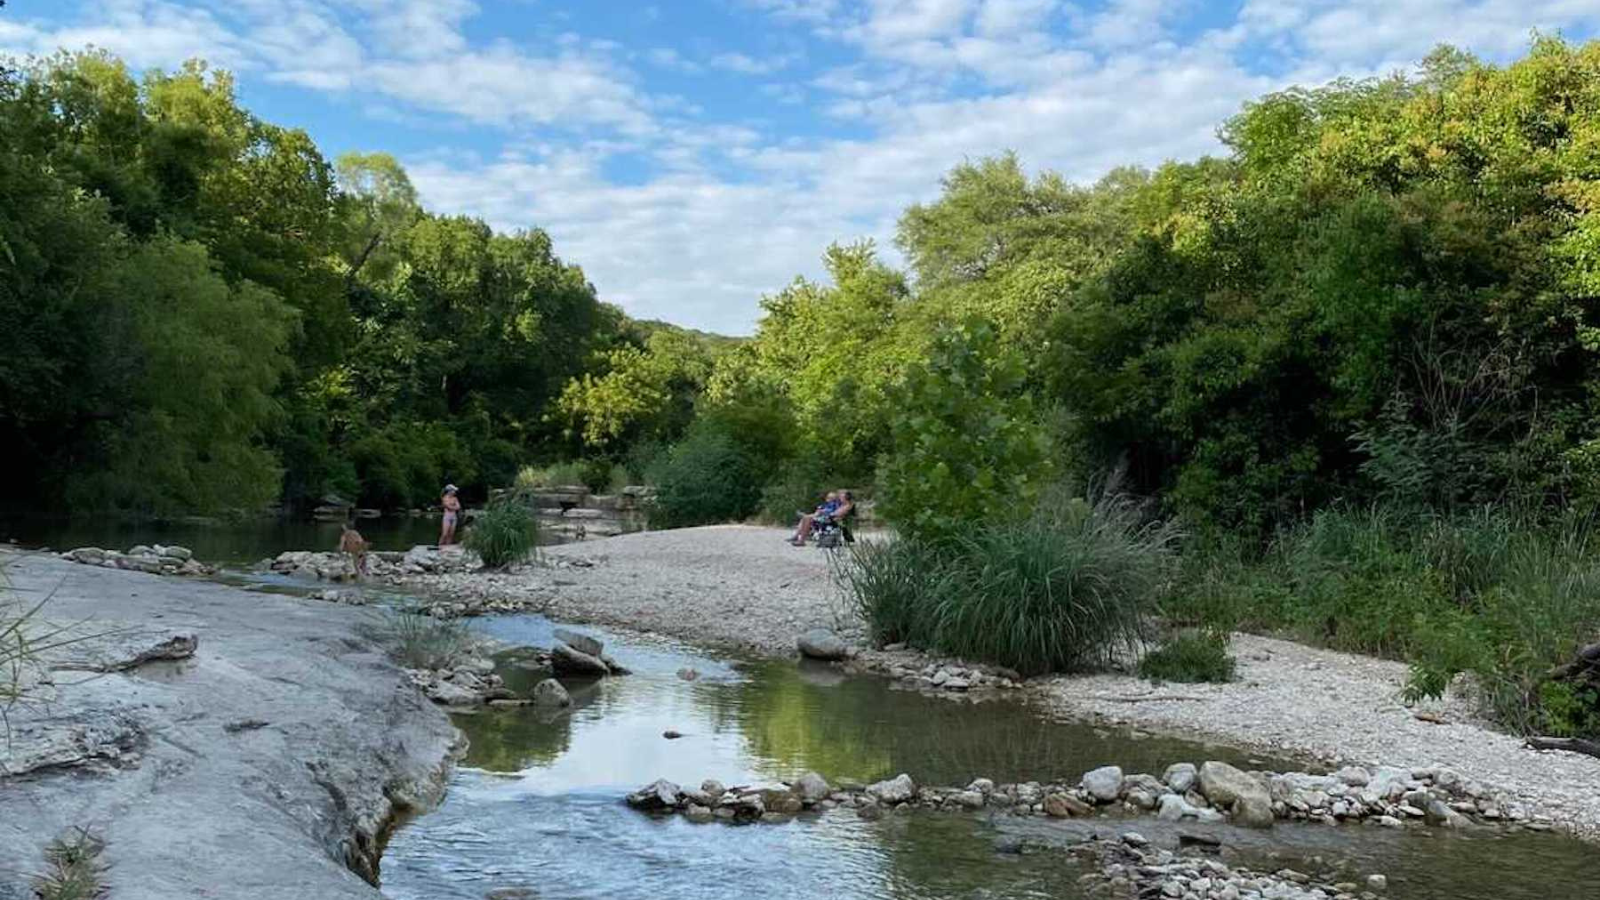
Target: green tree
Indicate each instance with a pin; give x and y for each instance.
(967, 448)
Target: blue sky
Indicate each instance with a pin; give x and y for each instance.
(693, 155)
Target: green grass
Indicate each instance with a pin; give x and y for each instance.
(1190, 657)
(419, 641)
(74, 869)
(505, 533)
(1067, 588)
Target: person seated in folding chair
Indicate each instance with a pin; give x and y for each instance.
(809, 520)
(834, 529)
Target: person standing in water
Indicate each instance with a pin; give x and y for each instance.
(452, 511)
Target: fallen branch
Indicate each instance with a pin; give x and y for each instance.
(1571, 745)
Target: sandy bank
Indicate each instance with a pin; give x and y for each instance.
(255, 769)
(742, 586)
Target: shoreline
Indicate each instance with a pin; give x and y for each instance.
(268, 750)
(734, 587)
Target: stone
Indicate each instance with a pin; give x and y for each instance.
(1066, 806)
(713, 787)
(1354, 776)
(1103, 784)
(616, 668)
(582, 643)
(898, 789)
(451, 694)
(181, 554)
(658, 795)
(983, 786)
(1227, 787)
(820, 643)
(550, 692)
(565, 660)
(1135, 839)
(812, 788)
(969, 799)
(1377, 882)
(1439, 813)
(1180, 776)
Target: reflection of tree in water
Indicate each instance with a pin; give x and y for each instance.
(951, 855)
(510, 740)
(863, 728)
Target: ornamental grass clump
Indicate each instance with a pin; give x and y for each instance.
(505, 533)
(1069, 587)
(417, 640)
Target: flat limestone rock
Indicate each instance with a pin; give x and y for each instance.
(582, 643)
(568, 661)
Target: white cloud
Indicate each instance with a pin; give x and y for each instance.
(749, 65)
(733, 209)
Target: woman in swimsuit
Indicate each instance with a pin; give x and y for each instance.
(452, 509)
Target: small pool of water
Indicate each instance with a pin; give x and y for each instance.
(222, 544)
(537, 802)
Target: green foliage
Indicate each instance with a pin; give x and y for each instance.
(1501, 598)
(416, 640)
(706, 478)
(1067, 588)
(1190, 657)
(74, 870)
(966, 448)
(503, 534)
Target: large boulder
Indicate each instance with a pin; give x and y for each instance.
(1228, 788)
(898, 789)
(1103, 784)
(567, 661)
(582, 643)
(549, 692)
(820, 643)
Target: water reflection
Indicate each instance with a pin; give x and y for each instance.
(539, 802)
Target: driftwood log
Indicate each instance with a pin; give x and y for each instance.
(1571, 745)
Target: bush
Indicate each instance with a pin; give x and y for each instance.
(503, 534)
(1066, 588)
(705, 478)
(600, 476)
(1190, 657)
(420, 641)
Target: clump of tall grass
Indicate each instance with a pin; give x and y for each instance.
(419, 641)
(505, 533)
(1068, 587)
(24, 639)
(1189, 657)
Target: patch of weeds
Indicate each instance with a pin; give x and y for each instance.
(75, 871)
(416, 640)
(1190, 657)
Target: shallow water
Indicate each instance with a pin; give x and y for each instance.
(537, 802)
(223, 544)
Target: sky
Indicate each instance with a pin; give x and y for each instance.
(694, 155)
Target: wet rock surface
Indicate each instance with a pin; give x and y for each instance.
(244, 746)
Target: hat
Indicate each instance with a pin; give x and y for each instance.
(450, 489)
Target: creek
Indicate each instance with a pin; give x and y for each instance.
(536, 803)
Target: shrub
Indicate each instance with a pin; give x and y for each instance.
(420, 641)
(75, 871)
(562, 474)
(1189, 657)
(1066, 588)
(705, 478)
(504, 533)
